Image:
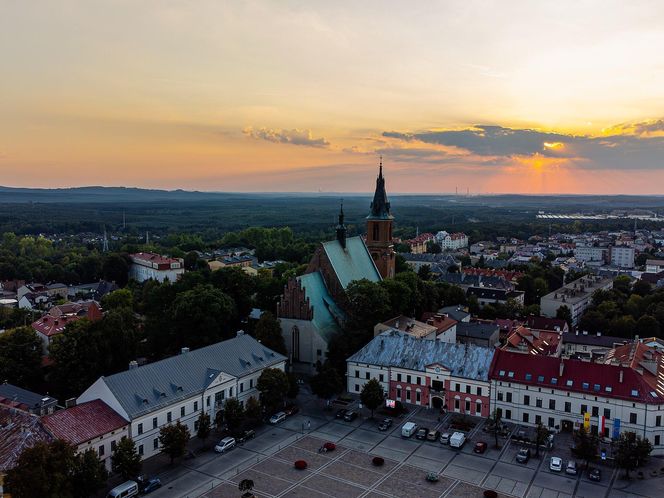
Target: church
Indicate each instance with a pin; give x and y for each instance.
(312, 308)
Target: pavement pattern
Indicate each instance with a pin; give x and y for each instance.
(348, 471)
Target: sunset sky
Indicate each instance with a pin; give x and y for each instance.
(504, 96)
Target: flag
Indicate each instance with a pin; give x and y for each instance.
(602, 424)
(586, 421)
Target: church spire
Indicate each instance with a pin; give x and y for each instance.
(380, 207)
(341, 228)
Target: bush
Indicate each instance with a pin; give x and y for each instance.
(330, 446)
(378, 461)
(300, 464)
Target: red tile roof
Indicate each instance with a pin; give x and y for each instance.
(49, 325)
(150, 258)
(525, 340)
(84, 422)
(598, 379)
(546, 323)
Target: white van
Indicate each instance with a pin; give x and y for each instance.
(408, 429)
(124, 490)
(457, 439)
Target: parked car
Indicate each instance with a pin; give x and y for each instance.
(277, 417)
(246, 436)
(408, 429)
(445, 438)
(433, 435)
(556, 464)
(341, 413)
(291, 410)
(151, 485)
(350, 416)
(523, 455)
(457, 440)
(226, 444)
(571, 468)
(422, 433)
(480, 447)
(595, 475)
(385, 424)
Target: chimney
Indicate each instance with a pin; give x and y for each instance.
(599, 334)
(184, 350)
(133, 364)
(239, 333)
(620, 378)
(70, 402)
(561, 369)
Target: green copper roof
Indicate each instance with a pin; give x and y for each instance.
(352, 263)
(327, 315)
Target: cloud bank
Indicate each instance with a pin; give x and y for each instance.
(293, 137)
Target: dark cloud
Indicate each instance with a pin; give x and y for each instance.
(625, 147)
(293, 137)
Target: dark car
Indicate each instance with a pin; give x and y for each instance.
(595, 475)
(291, 410)
(480, 447)
(341, 413)
(523, 455)
(422, 433)
(150, 485)
(350, 416)
(385, 424)
(246, 436)
(433, 435)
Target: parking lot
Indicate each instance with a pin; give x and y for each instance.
(348, 471)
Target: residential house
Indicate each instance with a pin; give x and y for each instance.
(19, 430)
(458, 313)
(94, 291)
(489, 295)
(438, 263)
(585, 346)
(576, 295)
(532, 341)
(445, 326)
(418, 245)
(151, 266)
(16, 397)
(485, 334)
(182, 387)
(421, 372)
(654, 265)
(409, 326)
(58, 317)
(90, 425)
(622, 256)
(452, 241)
(546, 323)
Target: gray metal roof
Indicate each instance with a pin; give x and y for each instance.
(477, 330)
(396, 349)
(144, 389)
(20, 395)
(352, 262)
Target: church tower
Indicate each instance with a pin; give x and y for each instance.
(379, 229)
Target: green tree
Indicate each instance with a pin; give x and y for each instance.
(268, 333)
(641, 288)
(90, 474)
(368, 304)
(293, 386)
(372, 395)
(424, 272)
(647, 326)
(564, 313)
(121, 298)
(233, 415)
(541, 435)
(20, 357)
(253, 412)
(115, 268)
(201, 316)
(626, 452)
(173, 440)
(399, 296)
(496, 420)
(327, 382)
(125, 460)
(586, 446)
(246, 485)
(273, 386)
(204, 427)
(622, 284)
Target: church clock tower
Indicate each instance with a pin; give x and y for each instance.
(379, 229)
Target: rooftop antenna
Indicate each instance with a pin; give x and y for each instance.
(467, 191)
(147, 237)
(634, 226)
(456, 191)
(104, 246)
(124, 221)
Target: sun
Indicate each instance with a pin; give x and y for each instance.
(553, 145)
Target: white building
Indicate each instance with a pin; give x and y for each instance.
(576, 295)
(611, 397)
(622, 256)
(654, 265)
(181, 387)
(451, 241)
(147, 265)
(591, 253)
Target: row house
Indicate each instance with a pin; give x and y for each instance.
(564, 394)
(182, 387)
(434, 374)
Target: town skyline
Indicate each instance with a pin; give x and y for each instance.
(289, 97)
